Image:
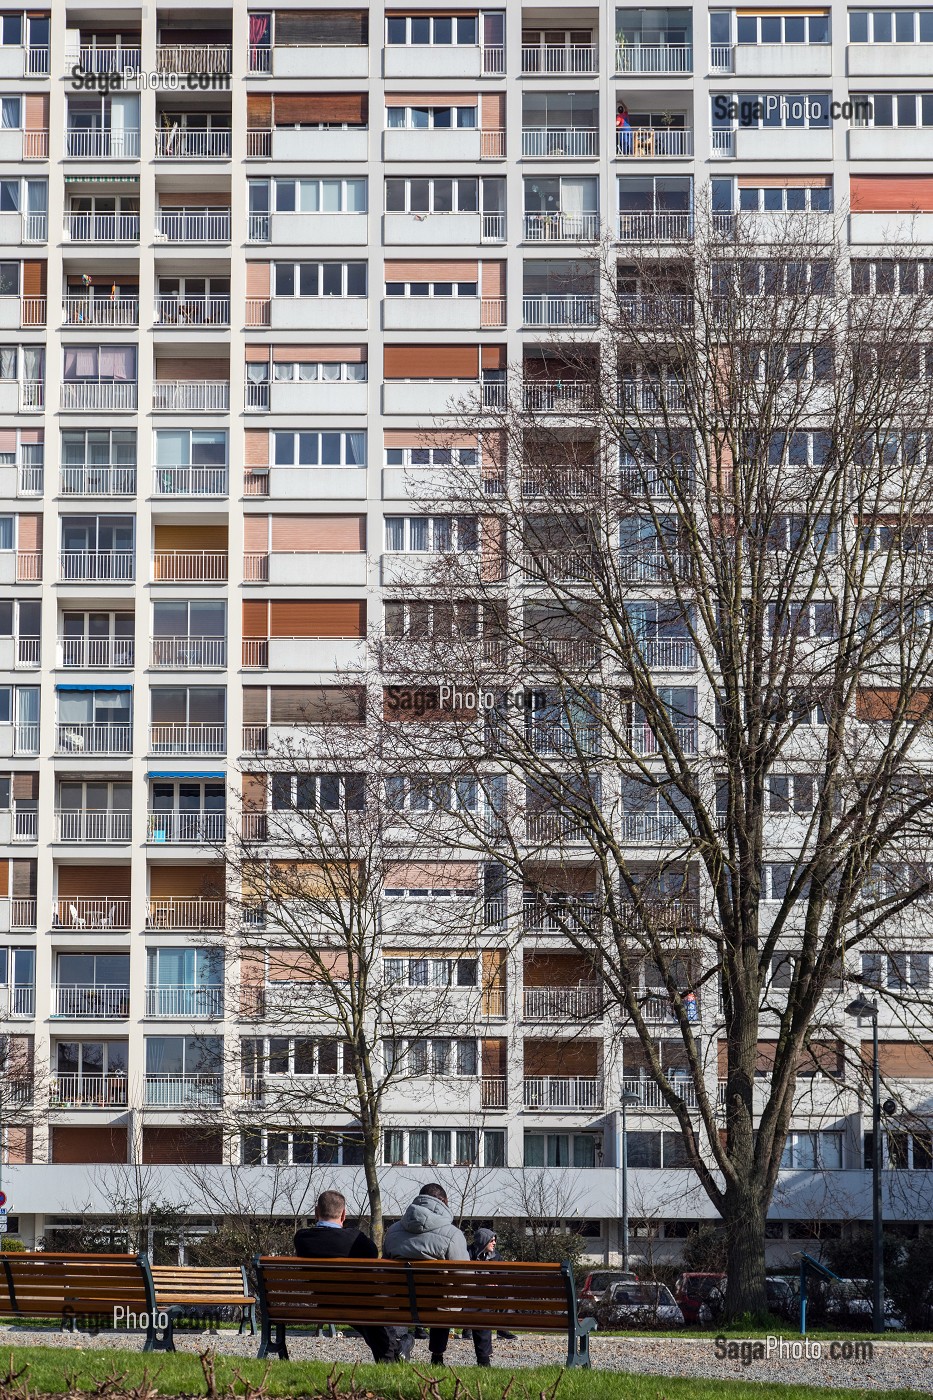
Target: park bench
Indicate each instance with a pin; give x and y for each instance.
(186, 1287)
(436, 1293)
(86, 1291)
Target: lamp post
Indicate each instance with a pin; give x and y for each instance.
(863, 1007)
(627, 1101)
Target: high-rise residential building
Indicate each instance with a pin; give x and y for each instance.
(234, 296)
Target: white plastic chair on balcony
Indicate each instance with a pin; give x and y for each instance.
(108, 919)
(76, 918)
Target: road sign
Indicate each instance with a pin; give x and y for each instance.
(2, 1198)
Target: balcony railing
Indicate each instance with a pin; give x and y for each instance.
(563, 1003)
(189, 481)
(668, 653)
(256, 396)
(188, 738)
(96, 652)
(191, 395)
(493, 59)
(564, 565)
(122, 144)
(182, 653)
(559, 58)
(32, 311)
(184, 1001)
(643, 740)
(654, 142)
(17, 1002)
(88, 1091)
(255, 653)
(96, 566)
(86, 826)
(102, 228)
(31, 394)
(35, 145)
(652, 481)
(555, 826)
(570, 142)
(652, 828)
(82, 912)
(189, 566)
(181, 912)
(492, 311)
(560, 310)
(722, 141)
(193, 58)
(105, 58)
(561, 228)
(99, 396)
(28, 650)
(259, 143)
(36, 61)
(558, 482)
(92, 1003)
(31, 480)
(260, 228)
(654, 58)
(720, 58)
(94, 738)
(569, 651)
(656, 311)
(181, 144)
(558, 396)
(546, 916)
(192, 312)
(88, 479)
(99, 311)
(22, 913)
(649, 1094)
(559, 738)
(184, 1090)
(492, 143)
(198, 828)
(25, 824)
(25, 738)
(35, 227)
(649, 566)
(661, 913)
(652, 395)
(493, 1091)
(655, 227)
(193, 225)
(492, 228)
(564, 1091)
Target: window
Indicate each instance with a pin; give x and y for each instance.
(9, 279)
(19, 617)
(432, 196)
(432, 971)
(790, 198)
(909, 1151)
(11, 113)
(432, 457)
(813, 1151)
(431, 118)
(423, 619)
(431, 29)
(99, 447)
(891, 26)
(191, 447)
(182, 967)
(563, 1150)
(773, 277)
(791, 110)
(431, 534)
(567, 194)
(325, 792)
(105, 364)
(798, 362)
(458, 1058)
(797, 449)
(789, 793)
(319, 449)
(196, 619)
(430, 794)
(782, 29)
(893, 109)
(319, 371)
(305, 1147)
(892, 276)
(294, 1055)
(896, 971)
(319, 196)
(319, 279)
(776, 877)
(431, 289)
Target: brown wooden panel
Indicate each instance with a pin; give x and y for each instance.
(890, 193)
(186, 881)
(24, 881)
(88, 881)
(259, 110)
(34, 277)
(430, 270)
(307, 108)
(431, 362)
(902, 1059)
(190, 537)
(80, 1143)
(189, 1144)
(324, 618)
(319, 533)
(26, 786)
(255, 618)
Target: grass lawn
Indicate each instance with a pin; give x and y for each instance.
(57, 1370)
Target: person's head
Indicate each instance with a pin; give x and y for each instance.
(432, 1189)
(331, 1205)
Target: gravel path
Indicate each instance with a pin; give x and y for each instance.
(895, 1365)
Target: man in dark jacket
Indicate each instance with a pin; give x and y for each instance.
(330, 1237)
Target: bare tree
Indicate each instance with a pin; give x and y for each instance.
(700, 642)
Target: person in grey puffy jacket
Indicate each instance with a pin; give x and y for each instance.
(426, 1231)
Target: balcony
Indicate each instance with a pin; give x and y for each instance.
(557, 566)
(32, 228)
(558, 396)
(569, 143)
(330, 230)
(182, 144)
(563, 1092)
(782, 61)
(770, 143)
(668, 653)
(561, 228)
(80, 740)
(101, 145)
(548, 827)
(189, 566)
(98, 396)
(188, 739)
(189, 481)
(17, 914)
(101, 228)
(17, 1003)
(656, 311)
(193, 225)
(91, 1003)
(194, 313)
(562, 739)
(308, 313)
(654, 143)
(649, 59)
(181, 913)
(88, 1091)
(24, 145)
(89, 827)
(83, 913)
(96, 566)
(583, 1003)
(194, 58)
(188, 1002)
(31, 395)
(652, 395)
(889, 60)
(105, 58)
(24, 61)
(650, 1097)
(442, 230)
(651, 828)
(643, 741)
(441, 144)
(414, 313)
(20, 653)
(554, 311)
(25, 826)
(651, 566)
(90, 312)
(655, 227)
(191, 396)
(551, 916)
(184, 1091)
(96, 653)
(186, 828)
(188, 653)
(546, 60)
(88, 479)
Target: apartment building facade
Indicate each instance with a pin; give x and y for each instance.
(231, 307)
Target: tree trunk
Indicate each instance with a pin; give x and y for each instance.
(373, 1190)
(744, 1219)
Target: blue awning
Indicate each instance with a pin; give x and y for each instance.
(94, 687)
(174, 774)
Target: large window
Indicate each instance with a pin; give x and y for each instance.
(312, 196)
(431, 534)
(319, 279)
(443, 1057)
(891, 26)
(443, 1147)
(319, 371)
(432, 196)
(900, 109)
(432, 29)
(306, 1147)
(325, 792)
(423, 118)
(793, 28)
(319, 449)
(562, 1150)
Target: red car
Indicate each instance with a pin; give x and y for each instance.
(693, 1293)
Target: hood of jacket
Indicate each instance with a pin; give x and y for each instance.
(425, 1231)
(425, 1215)
(481, 1238)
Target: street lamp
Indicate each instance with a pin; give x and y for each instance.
(862, 1007)
(626, 1102)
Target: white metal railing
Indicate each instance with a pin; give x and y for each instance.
(191, 395)
(722, 141)
(493, 1002)
(194, 225)
(187, 1001)
(720, 58)
(87, 479)
(571, 651)
(99, 311)
(260, 59)
(35, 145)
(561, 228)
(36, 61)
(193, 58)
(652, 395)
(655, 828)
(122, 144)
(88, 826)
(102, 228)
(255, 652)
(656, 311)
(668, 653)
(85, 912)
(558, 396)
(189, 481)
(660, 1008)
(649, 1094)
(651, 566)
(259, 228)
(539, 142)
(658, 227)
(25, 738)
(31, 394)
(492, 143)
(560, 481)
(201, 828)
(182, 144)
(565, 565)
(28, 651)
(492, 311)
(492, 228)
(193, 311)
(96, 566)
(563, 1091)
(259, 143)
(256, 736)
(94, 738)
(93, 1003)
(559, 738)
(554, 826)
(562, 1003)
(22, 913)
(189, 566)
(188, 738)
(256, 567)
(96, 652)
(98, 395)
(654, 142)
(258, 311)
(642, 739)
(654, 58)
(660, 914)
(30, 480)
(25, 824)
(256, 395)
(88, 1091)
(184, 1090)
(560, 58)
(182, 652)
(652, 481)
(548, 309)
(174, 911)
(493, 1091)
(104, 58)
(493, 58)
(35, 227)
(32, 311)
(17, 1001)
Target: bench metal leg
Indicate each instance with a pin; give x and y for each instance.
(161, 1338)
(578, 1344)
(268, 1347)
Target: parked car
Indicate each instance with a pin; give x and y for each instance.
(696, 1292)
(638, 1305)
(782, 1297)
(850, 1300)
(595, 1285)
